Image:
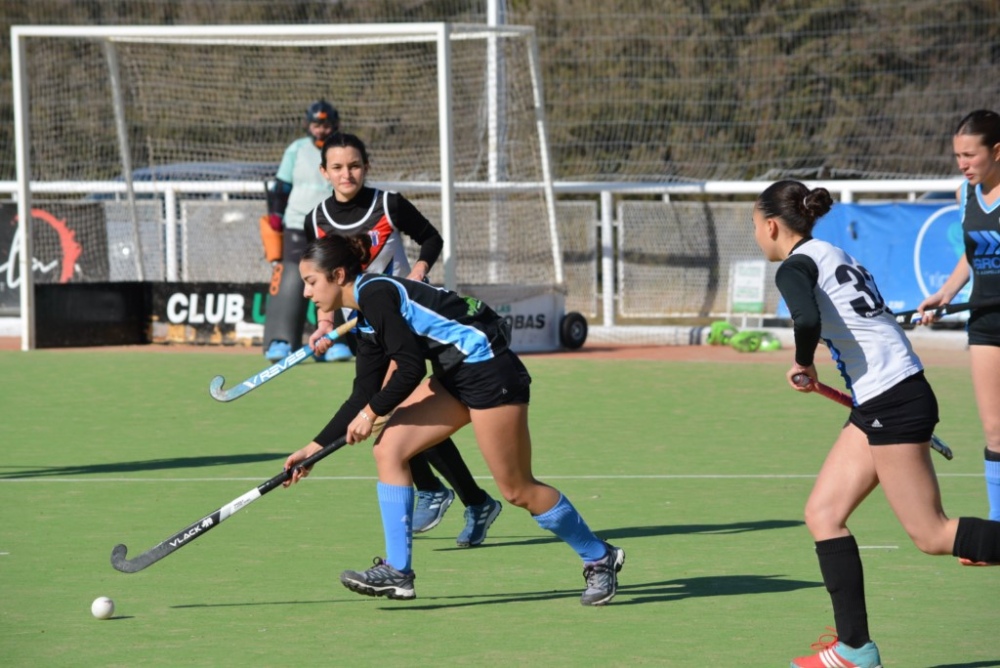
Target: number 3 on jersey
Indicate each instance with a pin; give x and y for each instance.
(869, 302)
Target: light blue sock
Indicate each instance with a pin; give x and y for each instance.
(993, 484)
(396, 504)
(564, 521)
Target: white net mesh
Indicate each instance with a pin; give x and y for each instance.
(224, 110)
(676, 257)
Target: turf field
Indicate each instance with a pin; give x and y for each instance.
(699, 470)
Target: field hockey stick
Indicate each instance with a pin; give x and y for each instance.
(258, 379)
(844, 398)
(947, 309)
(212, 520)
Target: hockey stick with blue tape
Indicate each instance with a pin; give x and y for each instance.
(258, 379)
(845, 399)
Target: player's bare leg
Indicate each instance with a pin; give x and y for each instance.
(985, 361)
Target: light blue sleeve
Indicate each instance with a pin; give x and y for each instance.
(286, 170)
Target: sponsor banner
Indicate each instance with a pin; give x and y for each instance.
(234, 313)
(746, 286)
(534, 313)
(91, 314)
(69, 242)
(910, 248)
(213, 313)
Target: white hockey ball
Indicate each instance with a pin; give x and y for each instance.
(102, 607)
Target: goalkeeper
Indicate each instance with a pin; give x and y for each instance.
(296, 189)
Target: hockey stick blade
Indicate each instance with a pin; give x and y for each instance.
(258, 379)
(120, 562)
(844, 399)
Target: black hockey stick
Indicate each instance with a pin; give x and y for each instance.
(844, 399)
(209, 522)
(258, 379)
(905, 316)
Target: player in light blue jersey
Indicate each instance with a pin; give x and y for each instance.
(886, 440)
(476, 379)
(297, 188)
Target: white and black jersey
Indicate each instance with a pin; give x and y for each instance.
(831, 296)
(382, 215)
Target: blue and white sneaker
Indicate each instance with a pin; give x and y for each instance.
(430, 508)
(338, 352)
(477, 520)
(278, 350)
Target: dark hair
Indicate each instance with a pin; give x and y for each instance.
(344, 140)
(981, 123)
(335, 251)
(795, 204)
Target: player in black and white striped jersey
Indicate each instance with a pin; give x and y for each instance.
(886, 440)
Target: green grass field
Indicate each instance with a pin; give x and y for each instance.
(698, 470)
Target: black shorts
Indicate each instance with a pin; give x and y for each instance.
(984, 327)
(905, 413)
(495, 382)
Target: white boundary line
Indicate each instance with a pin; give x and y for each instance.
(709, 476)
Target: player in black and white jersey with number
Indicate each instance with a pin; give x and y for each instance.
(977, 150)
(886, 440)
(476, 379)
(353, 209)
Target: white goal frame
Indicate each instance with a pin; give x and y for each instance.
(442, 34)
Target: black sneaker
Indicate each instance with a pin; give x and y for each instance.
(380, 580)
(602, 577)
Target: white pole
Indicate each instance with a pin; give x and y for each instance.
(124, 149)
(495, 133)
(170, 238)
(607, 259)
(22, 148)
(534, 61)
(447, 166)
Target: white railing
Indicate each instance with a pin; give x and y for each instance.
(606, 193)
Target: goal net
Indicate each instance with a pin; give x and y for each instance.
(452, 116)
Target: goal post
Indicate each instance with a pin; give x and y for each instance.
(452, 114)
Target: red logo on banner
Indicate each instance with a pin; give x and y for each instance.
(71, 250)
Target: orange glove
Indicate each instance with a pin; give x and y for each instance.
(272, 239)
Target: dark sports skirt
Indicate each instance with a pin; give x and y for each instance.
(495, 382)
(984, 327)
(905, 413)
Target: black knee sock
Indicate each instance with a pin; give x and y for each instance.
(423, 478)
(448, 461)
(840, 564)
(977, 539)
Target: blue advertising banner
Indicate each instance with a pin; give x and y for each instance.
(910, 249)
